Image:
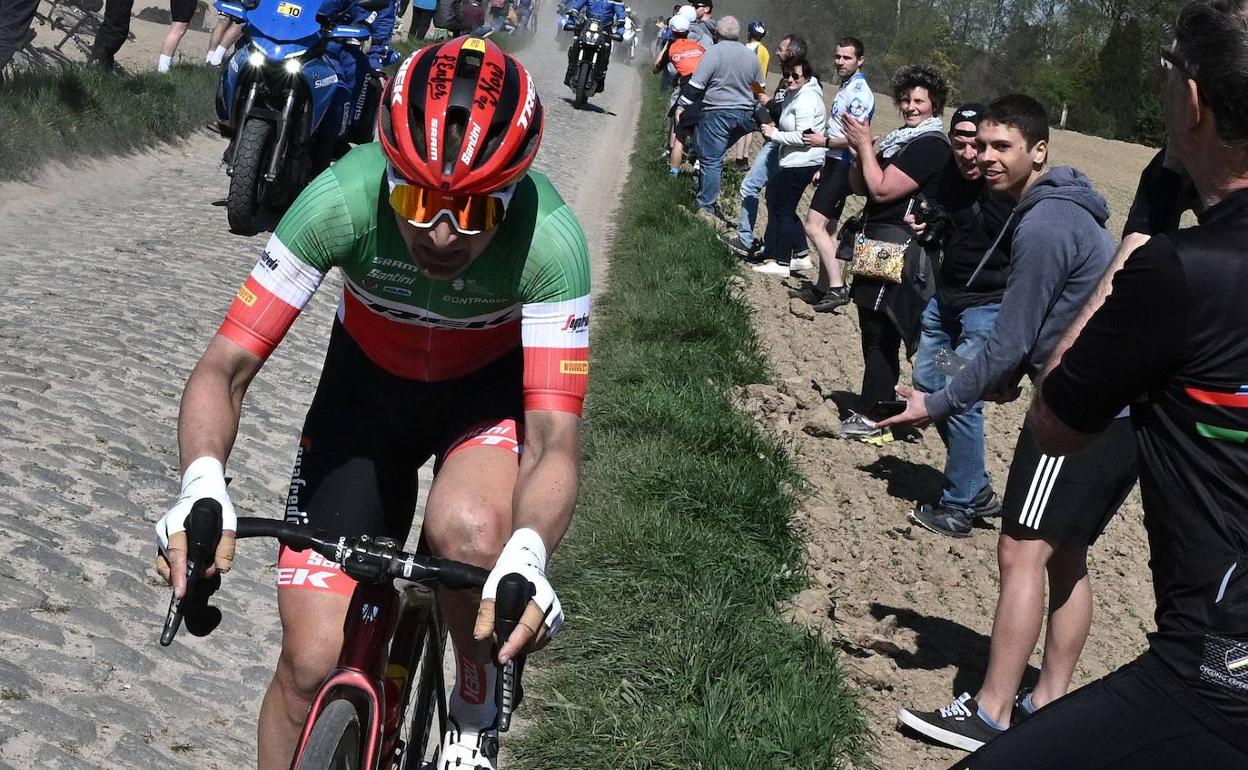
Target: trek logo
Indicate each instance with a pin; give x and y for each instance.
(302, 576)
(472, 685)
(473, 137)
(397, 97)
(576, 323)
(530, 103)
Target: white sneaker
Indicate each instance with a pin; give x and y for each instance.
(801, 263)
(772, 267)
(468, 749)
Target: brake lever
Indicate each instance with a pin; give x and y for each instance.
(203, 532)
(514, 593)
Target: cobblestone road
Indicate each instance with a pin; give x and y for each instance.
(113, 279)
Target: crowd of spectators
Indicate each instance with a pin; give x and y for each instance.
(985, 262)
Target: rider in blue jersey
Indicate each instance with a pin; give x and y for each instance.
(611, 13)
(353, 103)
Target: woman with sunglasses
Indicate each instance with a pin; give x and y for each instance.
(461, 334)
(804, 113)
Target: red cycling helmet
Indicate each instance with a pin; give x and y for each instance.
(461, 117)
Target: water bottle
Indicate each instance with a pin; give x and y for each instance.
(948, 362)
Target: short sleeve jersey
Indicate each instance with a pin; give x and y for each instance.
(764, 56)
(685, 55)
(855, 98)
(1171, 340)
(530, 287)
(924, 160)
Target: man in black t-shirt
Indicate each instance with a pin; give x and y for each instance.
(1169, 336)
(965, 227)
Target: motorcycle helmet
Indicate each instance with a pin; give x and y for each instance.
(462, 117)
(758, 30)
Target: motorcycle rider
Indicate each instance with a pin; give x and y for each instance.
(611, 14)
(359, 88)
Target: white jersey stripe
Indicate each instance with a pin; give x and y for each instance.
(556, 324)
(283, 274)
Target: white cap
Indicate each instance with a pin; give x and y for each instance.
(678, 24)
(688, 12)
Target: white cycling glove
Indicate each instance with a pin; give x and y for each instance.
(203, 478)
(525, 554)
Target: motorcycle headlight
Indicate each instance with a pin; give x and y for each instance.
(293, 66)
(256, 59)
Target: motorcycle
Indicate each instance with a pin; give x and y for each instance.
(588, 57)
(274, 98)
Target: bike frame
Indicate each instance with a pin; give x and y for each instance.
(383, 636)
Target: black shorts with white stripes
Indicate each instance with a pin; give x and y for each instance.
(1070, 499)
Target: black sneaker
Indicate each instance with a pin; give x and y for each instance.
(809, 293)
(739, 247)
(834, 298)
(957, 724)
(986, 504)
(941, 520)
(1020, 713)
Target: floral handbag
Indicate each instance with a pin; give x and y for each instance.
(877, 259)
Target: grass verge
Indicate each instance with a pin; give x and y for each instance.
(82, 111)
(676, 655)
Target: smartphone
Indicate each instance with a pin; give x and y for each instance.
(885, 409)
(808, 131)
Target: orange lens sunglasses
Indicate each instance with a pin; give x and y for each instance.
(469, 214)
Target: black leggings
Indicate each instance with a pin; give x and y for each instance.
(1138, 718)
(881, 348)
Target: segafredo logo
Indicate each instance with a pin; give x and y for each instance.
(396, 97)
(530, 103)
(576, 323)
(473, 136)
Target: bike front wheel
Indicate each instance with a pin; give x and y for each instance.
(335, 740)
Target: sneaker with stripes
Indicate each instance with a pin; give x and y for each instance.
(957, 724)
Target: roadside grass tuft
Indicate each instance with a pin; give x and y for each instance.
(675, 655)
(81, 111)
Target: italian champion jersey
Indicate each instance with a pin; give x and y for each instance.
(529, 288)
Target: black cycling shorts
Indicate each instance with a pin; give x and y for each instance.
(1140, 717)
(833, 189)
(366, 434)
(1070, 499)
(182, 10)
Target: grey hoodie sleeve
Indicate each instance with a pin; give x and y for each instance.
(1044, 248)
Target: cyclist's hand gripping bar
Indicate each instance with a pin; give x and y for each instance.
(514, 593)
(203, 531)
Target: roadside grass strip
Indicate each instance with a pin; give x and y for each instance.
(675, 654)
(80, 111)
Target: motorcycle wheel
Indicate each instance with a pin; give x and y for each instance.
(583, 84)
(244, 199)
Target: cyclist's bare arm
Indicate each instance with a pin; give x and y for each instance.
(545, 493)
(207, 426)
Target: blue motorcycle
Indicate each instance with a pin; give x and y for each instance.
(274, 100)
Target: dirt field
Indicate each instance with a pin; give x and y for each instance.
(912, 610)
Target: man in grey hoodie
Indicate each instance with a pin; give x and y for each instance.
(1055, 507)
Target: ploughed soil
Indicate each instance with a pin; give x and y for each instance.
(911, 610)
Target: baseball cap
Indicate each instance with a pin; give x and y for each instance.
(968, 113)
(678, 24)
(688, 12)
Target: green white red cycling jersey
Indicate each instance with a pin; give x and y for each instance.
(529, 288)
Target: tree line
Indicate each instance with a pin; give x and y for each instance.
(1094, 61)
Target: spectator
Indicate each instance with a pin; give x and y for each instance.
(855, 98)
(180, 14)
(704, 29)
(422, 17)
(906, 162)
(804, 113)
(757, 31)
(1055, 507)
(1171, 340)
(966, 232)
(224, 35)
(114, 30)
(15, 19)
(683, 55)
(723, 85)
(766, 163)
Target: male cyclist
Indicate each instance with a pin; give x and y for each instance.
(461, 334)
(611, 14)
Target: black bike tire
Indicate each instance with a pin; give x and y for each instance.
(583, 76)
(243, 202)
(335, 741)
(423, 707)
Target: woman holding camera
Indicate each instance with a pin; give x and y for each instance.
(892, 280)
(804, 113)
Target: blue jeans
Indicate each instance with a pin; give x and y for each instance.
(717, 131)
(766, 165)
(964, 333)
